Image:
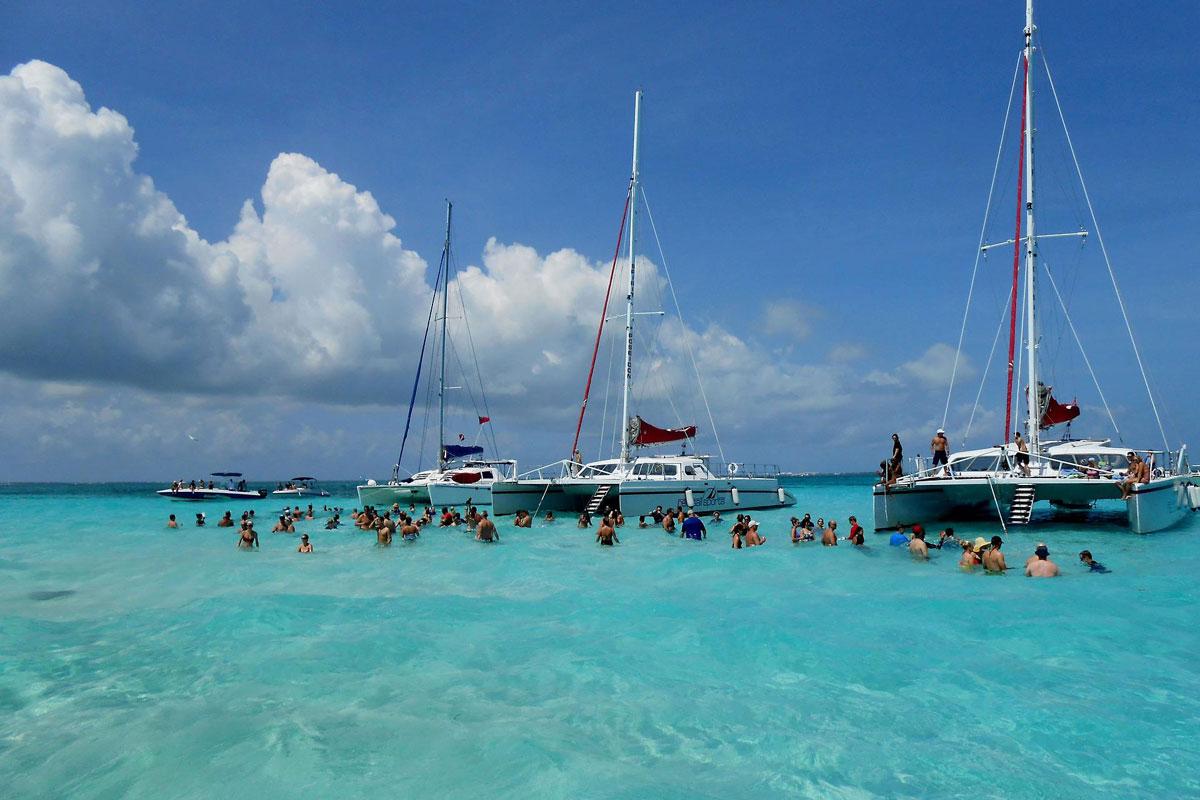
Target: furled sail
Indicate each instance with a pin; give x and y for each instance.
(1054, 412)
(642, 433)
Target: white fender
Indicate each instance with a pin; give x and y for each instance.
(737, 500)
(690, 497)
(782, 495)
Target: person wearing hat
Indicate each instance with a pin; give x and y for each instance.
(752, 537)
(940, 446)
(305, 547)
(1040, 566)
(993, 559)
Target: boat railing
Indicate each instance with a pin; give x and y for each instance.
(563, 468)
(948, 472)
(743, 469)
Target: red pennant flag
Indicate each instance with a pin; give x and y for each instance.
(484, 420)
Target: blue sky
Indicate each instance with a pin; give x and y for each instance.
(823, 162)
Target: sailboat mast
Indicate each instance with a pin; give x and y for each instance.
(633, 190)
(1031, 343)
(442, 374)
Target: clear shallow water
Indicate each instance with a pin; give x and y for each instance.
(142, 662)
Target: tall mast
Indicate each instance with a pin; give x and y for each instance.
(1031, 343)
(633, 190)
(442, 374)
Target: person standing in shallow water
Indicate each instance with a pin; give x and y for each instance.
(305, 547)
(607, 534)
(917, 546)
(486, 531)
(1040, 566)
(829, 535)
(993, 559)
(171, 523)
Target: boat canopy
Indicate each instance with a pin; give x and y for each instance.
(226, 474)
(303, 478)
(459, 450)
(644, 434)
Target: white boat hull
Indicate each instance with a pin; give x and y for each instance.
(199, 495)
(445, 495)
(388, 494)
(641, 497)
(1155, 506)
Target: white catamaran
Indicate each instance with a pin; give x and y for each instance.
(458, 479)
(638, 484)
(1009, 479)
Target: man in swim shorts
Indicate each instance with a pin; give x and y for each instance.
(486, 531)
(1040, 566)
(993, 559)
(1022, 454)
(693, 528)
(940, 446)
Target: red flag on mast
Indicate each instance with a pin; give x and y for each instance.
(484, 420)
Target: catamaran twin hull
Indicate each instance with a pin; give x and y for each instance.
(640, 497)
(387, 494)
(1153, 506)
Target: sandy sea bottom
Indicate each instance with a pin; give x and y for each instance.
(140, 662)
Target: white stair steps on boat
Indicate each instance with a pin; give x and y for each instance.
(597, 499)
(1021, 508)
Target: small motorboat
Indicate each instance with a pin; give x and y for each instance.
(224, 489)
(301, 486)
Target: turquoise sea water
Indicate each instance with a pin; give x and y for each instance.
(142, 662)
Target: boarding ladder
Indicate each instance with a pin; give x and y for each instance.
(1021, 508)
(593, 506)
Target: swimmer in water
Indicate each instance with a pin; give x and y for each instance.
(226, 521)
(1092, 564)
(993, 559)
(969, 559)
(1040, 566)
(486, 532)
(171, 523)
(249, 537)
(607, 534)
(549, 516)
(200, 520)
(305, 547)
(917, 546)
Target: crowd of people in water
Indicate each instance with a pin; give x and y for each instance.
(980, 552)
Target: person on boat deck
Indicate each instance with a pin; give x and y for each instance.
(606, 535)
(917, 546)
(897, 455)
(226, 521)
(829, 535)
(1092, 564)
(993, 559)
(1022, 454)
(171, 523)
(486, 530)
(693, 528)
(940, 447)
(305, 547)
(1139, 472)
(1093, 470)
(1040, 565)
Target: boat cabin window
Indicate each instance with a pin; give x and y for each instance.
(689, 470)
(487, 473)
(976, 464)
(671, 470)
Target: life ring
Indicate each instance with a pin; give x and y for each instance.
(733, 468)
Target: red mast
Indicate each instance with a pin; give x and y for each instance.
(1016, 271)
